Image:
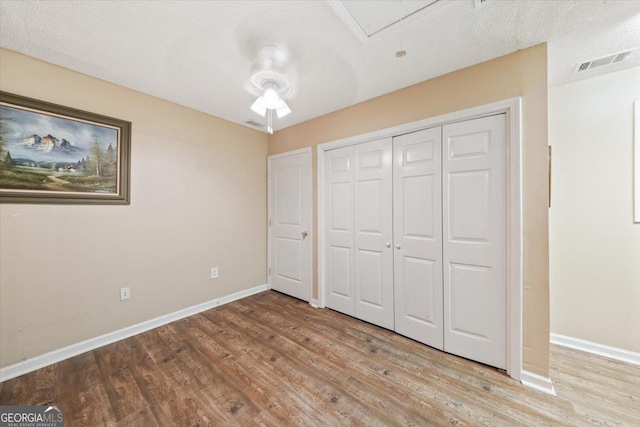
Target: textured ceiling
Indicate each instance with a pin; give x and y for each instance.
(199, 53)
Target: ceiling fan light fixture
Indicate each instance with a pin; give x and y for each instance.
(282, 109)
(259, 106)
(270, 84)
(271, 98)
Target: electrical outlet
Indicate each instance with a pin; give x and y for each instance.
(214, 273)
(125, 293)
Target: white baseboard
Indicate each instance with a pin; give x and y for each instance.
(595, 348)
(537, 382)
(314, 303)
(55, 356)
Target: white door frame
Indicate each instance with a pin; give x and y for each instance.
(309, 189)
(513, 109)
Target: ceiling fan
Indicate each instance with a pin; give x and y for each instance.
(270, 83)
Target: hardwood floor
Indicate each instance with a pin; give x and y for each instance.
(273, 360)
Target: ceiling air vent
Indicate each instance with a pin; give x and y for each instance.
(584, 66)
(605, 60)
(254, 124)
(619, 57)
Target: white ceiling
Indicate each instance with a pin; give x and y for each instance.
(199, 53)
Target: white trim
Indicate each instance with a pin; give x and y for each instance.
(314, 303)
(429, 12)
(304, 150)
(513, 110)
(60, 354)
(290, 153)
(320, 215)
(538, 382)
(636, 162)
(269, 158)
(348, 19)
(597, 349)
(512, 104)
(515, 260)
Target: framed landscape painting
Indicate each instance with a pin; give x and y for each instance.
(55, 154)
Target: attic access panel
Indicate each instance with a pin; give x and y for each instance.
(373, 18)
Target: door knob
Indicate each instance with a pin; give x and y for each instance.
(388, 244)
(304, 234)
(398, 246)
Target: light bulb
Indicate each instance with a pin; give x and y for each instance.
(259, 106)
(282, 109)
(271, 98)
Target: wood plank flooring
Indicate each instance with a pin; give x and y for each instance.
(273, 360)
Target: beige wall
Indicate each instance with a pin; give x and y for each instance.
(523, 73)
(594, 244)
(198, 200)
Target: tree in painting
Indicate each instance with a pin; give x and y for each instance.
(97, 157)
(8, 162)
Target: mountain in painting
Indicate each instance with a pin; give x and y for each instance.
(49, 143)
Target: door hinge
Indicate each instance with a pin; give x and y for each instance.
(269, 272)
(269, 223)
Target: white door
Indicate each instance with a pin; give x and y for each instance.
(339, 236)
(373, 255)
(417, 211)
(474, 239)
(290, 224)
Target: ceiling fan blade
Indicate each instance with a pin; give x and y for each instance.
(282, 109)
(259, 106)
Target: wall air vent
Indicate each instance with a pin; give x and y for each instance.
(605, 60)
(254, 124)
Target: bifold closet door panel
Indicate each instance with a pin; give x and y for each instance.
(417, 231)
(373, 254)
(339, 236)
(474, 234)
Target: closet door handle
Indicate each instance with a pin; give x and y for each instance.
(388, 244)
(398, 246)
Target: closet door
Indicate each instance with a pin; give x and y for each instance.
(474, 232)
(373, 256)
(417, 231)
(339, 236)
